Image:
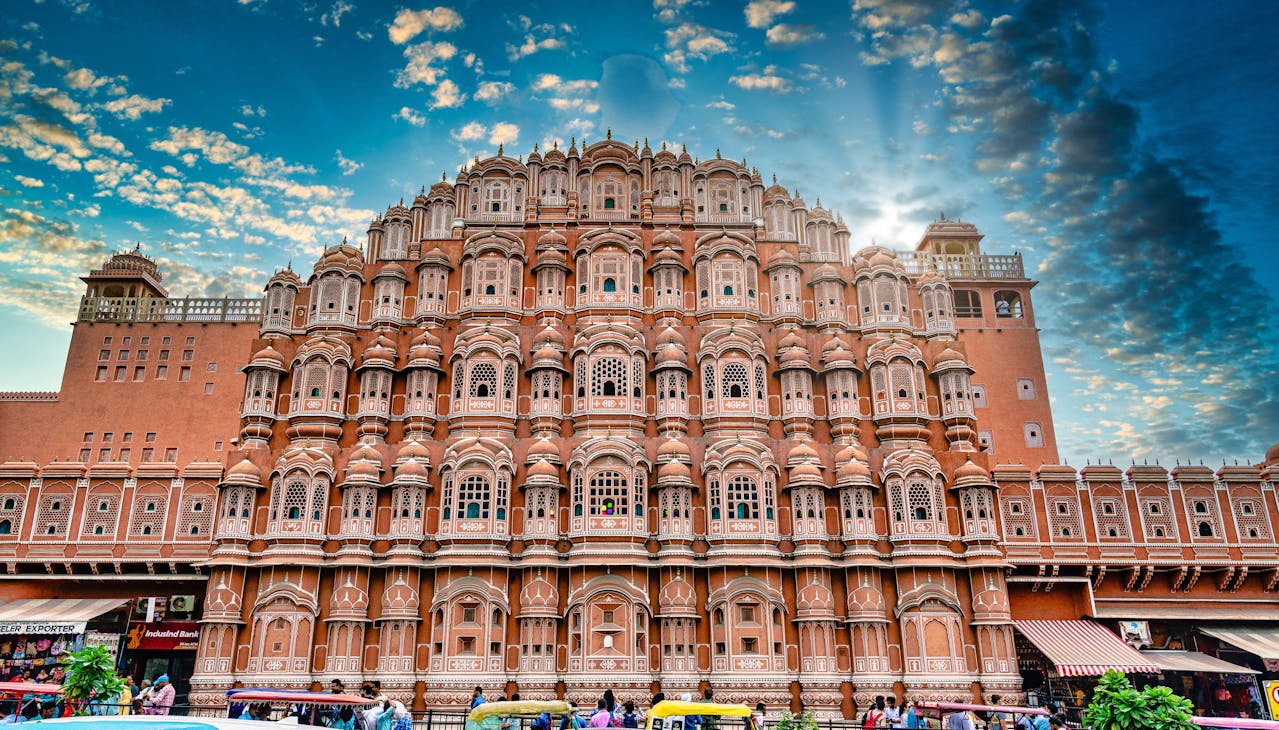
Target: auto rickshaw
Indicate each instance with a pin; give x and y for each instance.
(659, 715)
(309, 708)
(499, 715)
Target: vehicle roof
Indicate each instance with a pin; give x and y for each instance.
(154, 722)
(666, 708)
(31, 687)
(521, 707)
(299, 698)
(961, 707)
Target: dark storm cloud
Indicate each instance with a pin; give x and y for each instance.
(1137, 271)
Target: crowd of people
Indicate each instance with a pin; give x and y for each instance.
(145, 697)
(885, 712)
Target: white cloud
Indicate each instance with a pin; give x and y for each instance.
(668, 10)
(766, 81)
(349, 167)
(446, 96)
(29, 182)
(422, 68)
(504, 133)
(722, 104)
(412, 116)
(248, 110)
(469, 132)
(334, 16)
(492, 91)
(787, 34)
(760, 13)
(565, 95)
(82, 79)
(409, 24)
(134, 106)
(689, 40)
(541, 37)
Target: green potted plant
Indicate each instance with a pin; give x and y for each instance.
(91, 676)
(1117, 705)
(803, 721)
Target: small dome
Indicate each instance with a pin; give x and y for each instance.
(948, 354)
(971, 474)
(393, 271)
(881, 259)
(284, 277)
(805, 473)
(543, 448)
(673, 448)
(677, 597)
(838, 355)
(366, 452)
(815, 598)
(791, 339)
(267, 357)
(552, 238)
(244, 471)
(802, 451)
(362, 471)
(825, 272)
(543, 469)
(853, 469)
(668, 256)
(550, 336)
(539, 598)
(673, 471)
(413, 449)
(1272, 454)
(412, 469)
(667, 237)
(670, 336)
(547, 355)
(670, 355)
(794, 356)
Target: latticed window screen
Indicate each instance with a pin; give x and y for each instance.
(609, 273)
(408, 503)
(1204, 520)
(54, 514)
(903, 385)
(760, 386)
(293, 505)
(609, 494)
(490, 275)
(1063, 517)
(734, 381)
(502, 496)
(1156, 517)
(474, 495)
(483, 382)
(101, 516)
(1250, 516)
(919, 500)
(742, 498)
(637, 377)
(11, 513)
(1018, 520)
(608, 377)
(196, 517)
(148, 515)
(508, 381)
(886, 295)
(728, 277)
(1112, 519)
(708, 381)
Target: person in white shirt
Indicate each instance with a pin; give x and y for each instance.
(892, 713)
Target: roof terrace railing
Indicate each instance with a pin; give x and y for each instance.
(158, 309)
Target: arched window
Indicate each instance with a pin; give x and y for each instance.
(1205, 529)
(735, 382)
(608, 377)
(742, 497)
(610, 284)
(6, 527)
(609, 494)
(474, 494)
(483, 380)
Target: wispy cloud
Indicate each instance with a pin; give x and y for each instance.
(760, 13)
(409, 24)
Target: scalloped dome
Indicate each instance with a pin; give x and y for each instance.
(949, 354)
(673, 448)
(539, 596)
(268, 354)
(826, 271)
(667, 237)
(670, 354)
(792, 338)
(882, 259)
(677, 595)
(971, 471)
(392, 270)
(412, 468)
(815, 597)
(853, 469)
(544, 469)
(543, 448)
(413, 449)
(1272, 454)
(794, 356)
(552, 238)
(802, 451)
(245, 470)
(805, 472)
(675, 471)
(362, 470)
(670, 336)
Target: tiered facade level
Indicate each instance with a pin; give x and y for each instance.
(605, 418)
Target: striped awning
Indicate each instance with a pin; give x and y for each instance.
(1262, 642)
(1193, 661)
(1080, 648)
(53, 615)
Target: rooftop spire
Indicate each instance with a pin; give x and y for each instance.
(500, 149)
(609, 134)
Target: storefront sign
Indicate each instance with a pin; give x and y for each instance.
(42, 627)
(1272, 696)
(111, 642)
(168, 636)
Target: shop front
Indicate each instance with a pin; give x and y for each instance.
(36, 633)
(167, 647)
(1061, 660)
(1217, 688)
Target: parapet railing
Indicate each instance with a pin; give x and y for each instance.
(158, 309)
(963, 266)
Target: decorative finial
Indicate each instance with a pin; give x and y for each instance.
(684, 148)
(609, 134)
(646, 141)
(535, 147)
(520, 158)
(637, 145)
(819, 202)
(943, 215)
(500, 148)
(717, 155)
(572, 141)
(444, 176)
(422, 191)
(663, 145)
(137, 246)
(343, 240)
(774, 178)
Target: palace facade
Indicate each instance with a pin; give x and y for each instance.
(600, 418)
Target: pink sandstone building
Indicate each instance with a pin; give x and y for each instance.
(618, 418)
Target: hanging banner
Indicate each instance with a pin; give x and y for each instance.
(42, 627)
(167, 636)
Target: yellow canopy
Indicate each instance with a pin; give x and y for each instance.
(667, 708)
(522, 707)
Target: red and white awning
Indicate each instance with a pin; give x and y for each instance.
(53, 615)
(1080, 648)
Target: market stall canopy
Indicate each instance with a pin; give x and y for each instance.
(53, 615)
(1080, 648)
(32, 688)
(1262, 642)
(1194, 661)
(1235, 723)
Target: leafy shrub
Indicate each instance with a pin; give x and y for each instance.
(1117, 705)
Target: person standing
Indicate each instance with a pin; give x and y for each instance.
(892, 713)
(477, 697)
(162, 697)
(757, 720)
(602, 717)
(910, 718)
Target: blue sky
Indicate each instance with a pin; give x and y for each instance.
(1128, 153)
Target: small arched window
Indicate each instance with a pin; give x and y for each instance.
(1205, 529)
(6, 527)
(610, 284)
